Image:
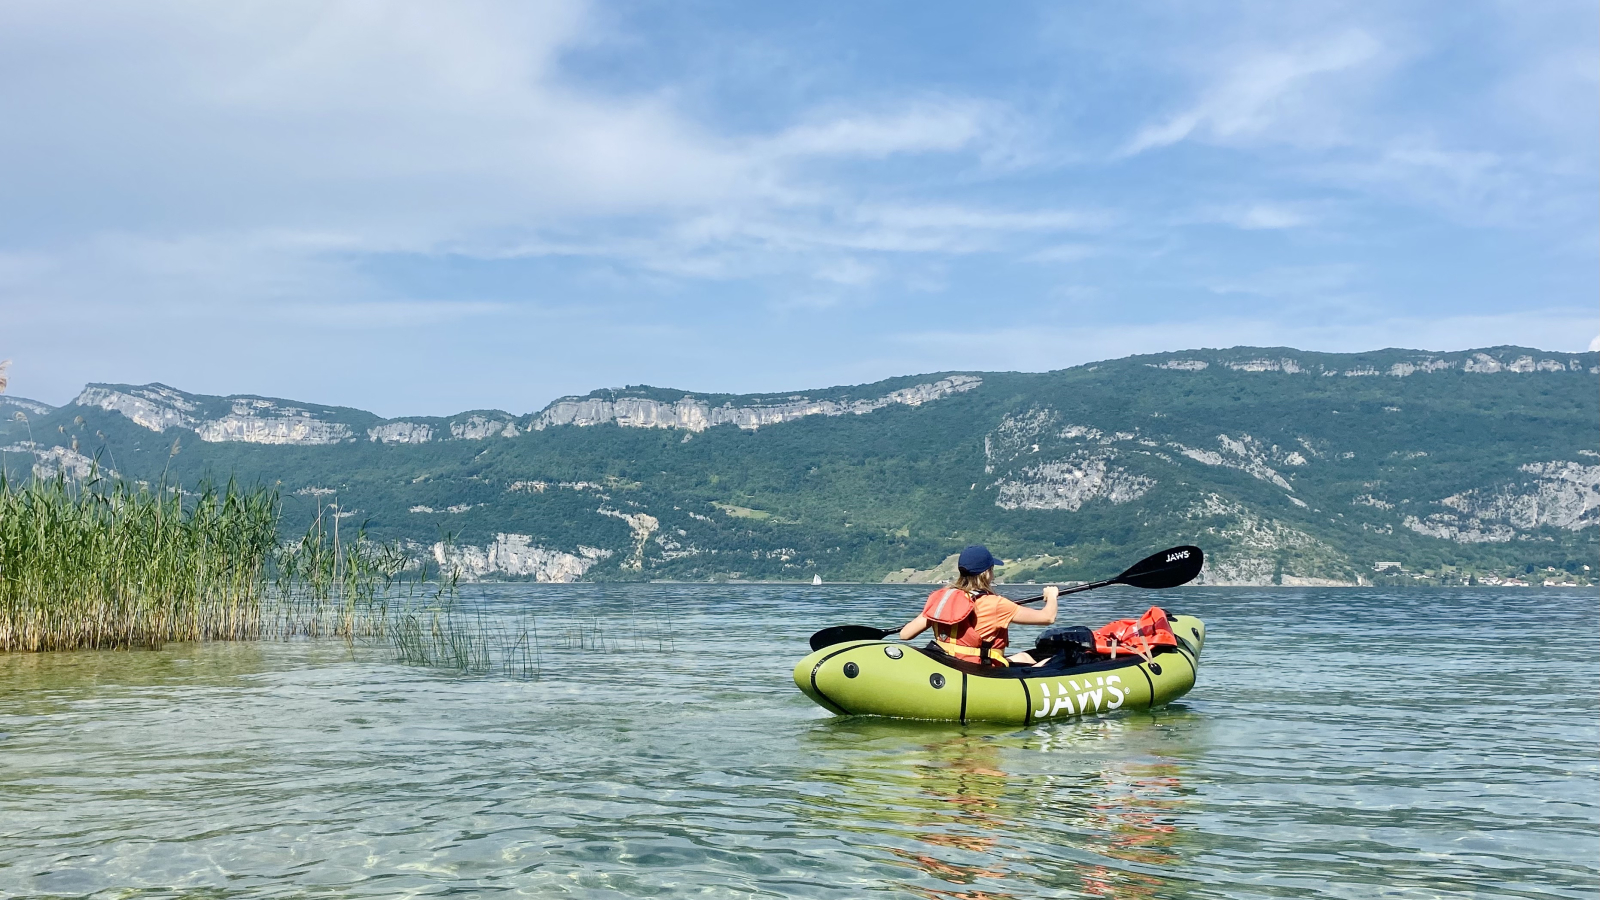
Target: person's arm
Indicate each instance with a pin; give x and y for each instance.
(1027, 615)
(913, 628)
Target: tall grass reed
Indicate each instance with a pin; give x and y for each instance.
(104, 564)
(93, 563)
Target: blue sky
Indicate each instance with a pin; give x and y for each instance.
(419, 208)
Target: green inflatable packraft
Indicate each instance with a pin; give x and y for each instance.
(884, 678)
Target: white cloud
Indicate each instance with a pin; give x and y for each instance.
(847, 271)
(1257, 216)
(242, 179)
(1065, 253)
(261, 148)
(928, 126)
(1266, 95)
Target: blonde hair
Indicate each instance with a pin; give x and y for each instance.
(979, 583)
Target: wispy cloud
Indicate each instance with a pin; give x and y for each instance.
(1265, 96)
(1257, 216)
(926, 126)
(488, 183)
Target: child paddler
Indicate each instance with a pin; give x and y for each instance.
(970, 621)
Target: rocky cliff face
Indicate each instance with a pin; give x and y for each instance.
(1246, 454)
(1264, 550)
(257, 420)
(152, 406)
(252, 420)
(52, 461)
(515, 556)
(401, 433)
(691, 414)
(1042, 465)
(1562, 494)
(267, 422)
(9, 406)
(479, 427)
(1472, 362)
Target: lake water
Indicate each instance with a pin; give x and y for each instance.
(1339, 743)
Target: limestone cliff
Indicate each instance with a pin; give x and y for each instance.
(260, 420)
(52, 461)
(252, 420)
(401, 432)
(691, 414)
(153, 406)
(515, 556)
(1562, 494)
(1473, 362)
(267, 422)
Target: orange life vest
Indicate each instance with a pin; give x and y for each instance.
(1139, 636)
(954, 615)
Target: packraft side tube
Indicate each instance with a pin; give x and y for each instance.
(882, 678)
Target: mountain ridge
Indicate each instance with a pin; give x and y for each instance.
(1295, 466)
(1487, 360)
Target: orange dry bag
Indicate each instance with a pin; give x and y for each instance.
(1141, 636)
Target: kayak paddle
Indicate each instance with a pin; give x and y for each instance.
(1166, 569)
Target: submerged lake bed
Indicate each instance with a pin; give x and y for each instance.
(1339, 743)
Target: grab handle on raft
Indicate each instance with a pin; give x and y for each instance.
(1167, 569)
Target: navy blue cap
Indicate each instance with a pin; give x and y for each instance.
(977, 558)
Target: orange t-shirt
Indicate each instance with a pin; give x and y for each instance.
(994, 614)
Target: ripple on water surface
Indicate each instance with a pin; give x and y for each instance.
(1340, 743)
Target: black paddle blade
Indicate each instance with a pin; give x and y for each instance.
(1166, 569)
(838, 634)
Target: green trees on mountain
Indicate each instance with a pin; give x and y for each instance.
(1314, 469)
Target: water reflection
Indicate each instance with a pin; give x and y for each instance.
(974, 812)
(188, 664)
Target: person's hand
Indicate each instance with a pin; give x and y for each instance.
(1050, 593)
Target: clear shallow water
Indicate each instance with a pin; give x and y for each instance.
(1340, 743)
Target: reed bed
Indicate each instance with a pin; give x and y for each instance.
(325, 586)
(93, 564)
(98, 564)
(480, 640)
(85, 565)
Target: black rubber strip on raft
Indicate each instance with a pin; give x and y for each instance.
(1146, 673)
(820, 693)
(1027, 703)
(963, 698)
(1194, 667)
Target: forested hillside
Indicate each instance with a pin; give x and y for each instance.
(1286, 466)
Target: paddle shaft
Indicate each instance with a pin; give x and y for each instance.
(1075, 589)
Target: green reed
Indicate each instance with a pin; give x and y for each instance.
(93, 563)
(326, 585)
(97, 563)
(90, 564)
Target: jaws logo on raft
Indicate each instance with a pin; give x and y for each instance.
(1089, 697)
(1174, 557)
